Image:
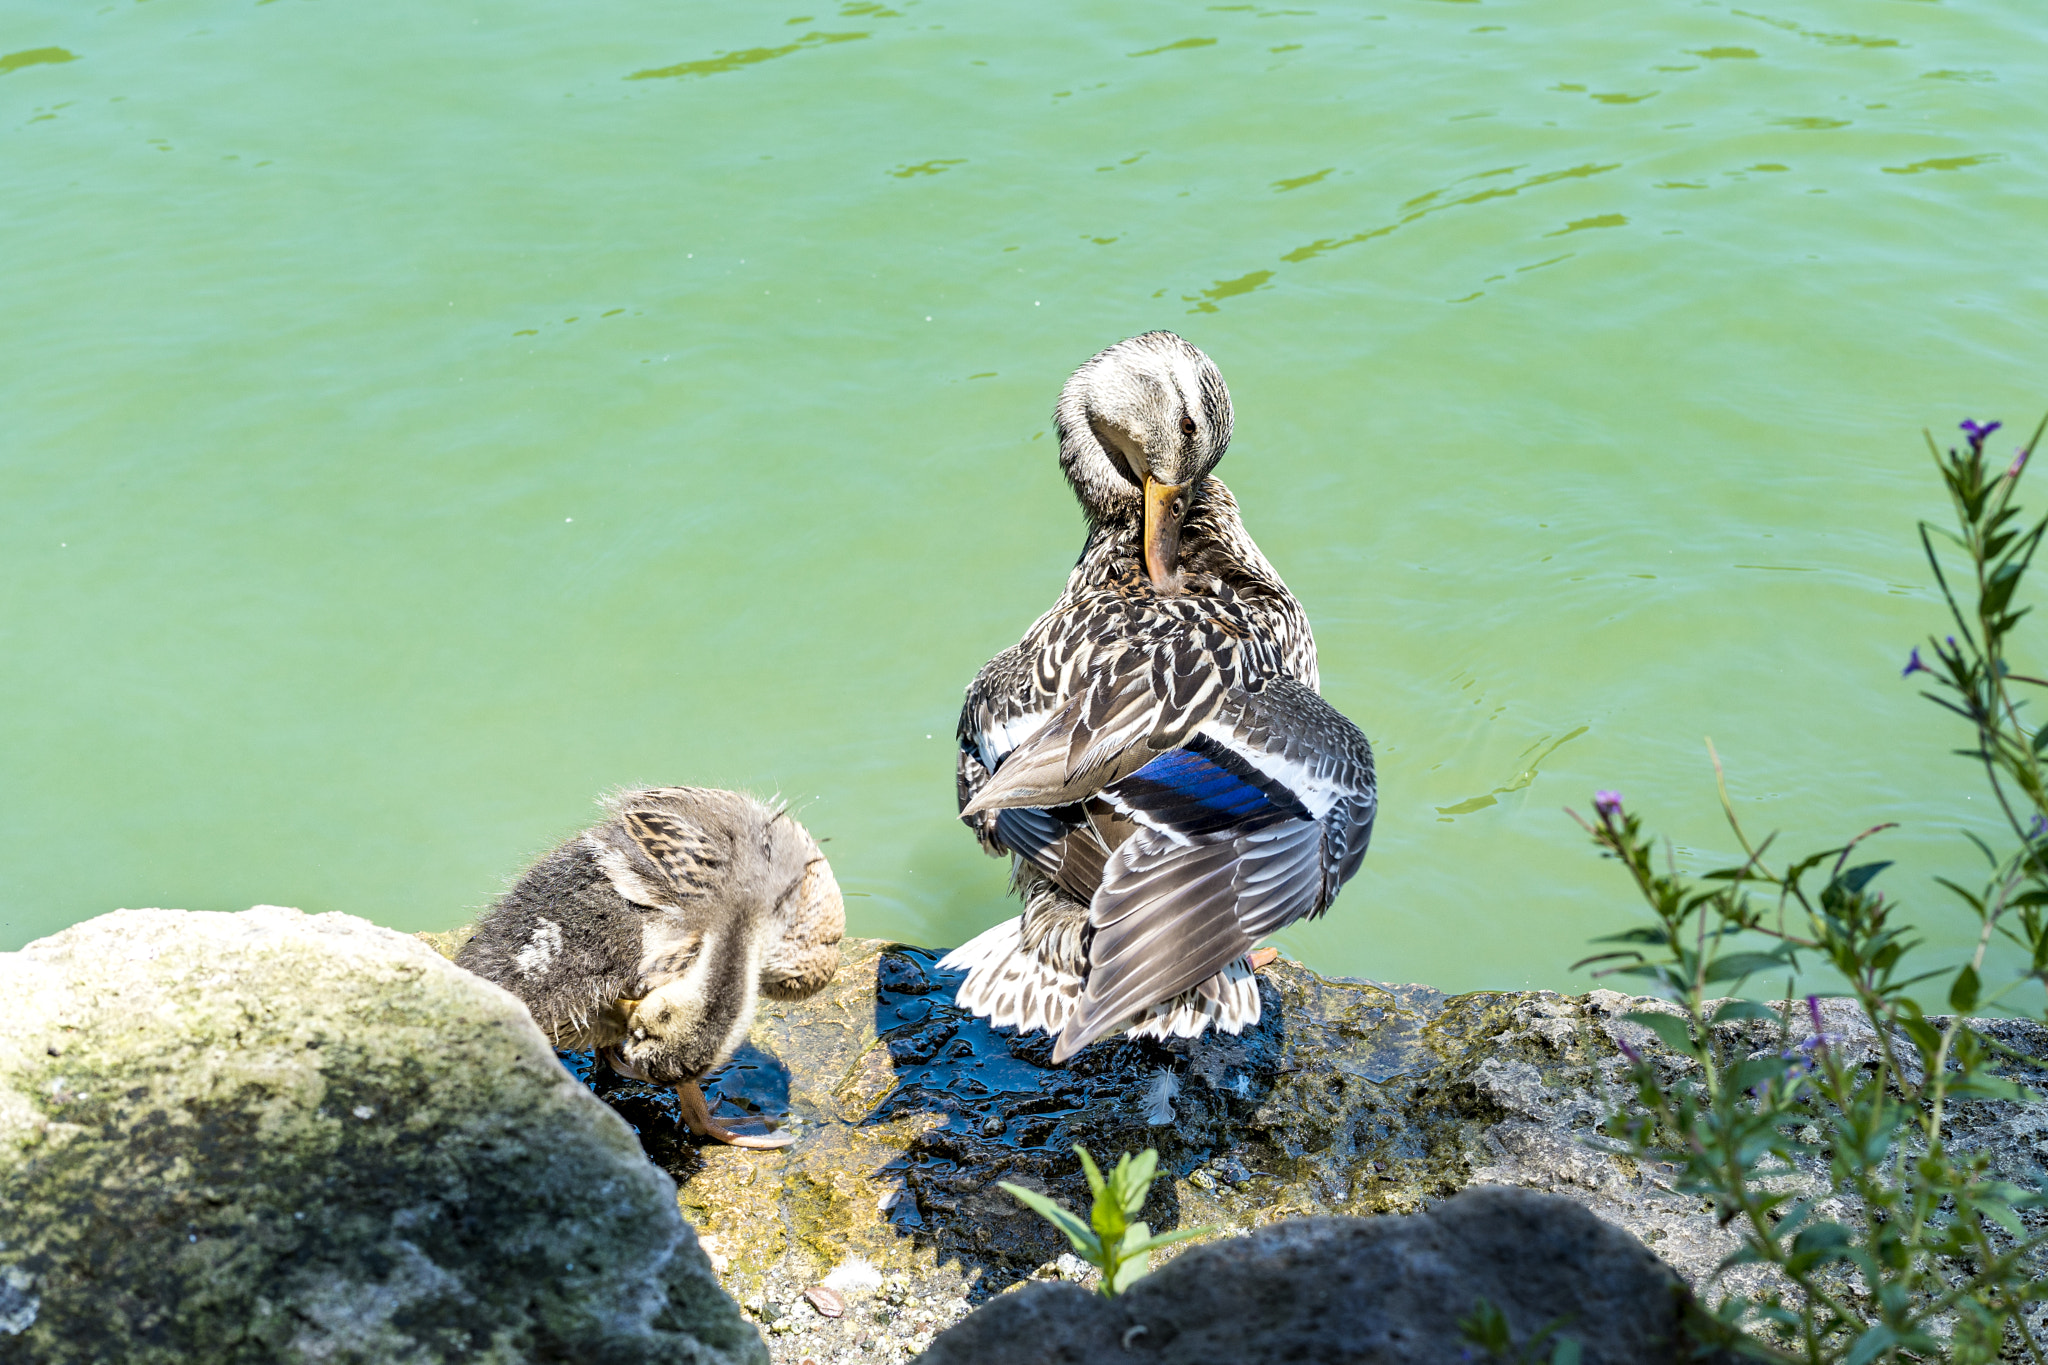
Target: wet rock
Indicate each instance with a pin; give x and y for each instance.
(1349, 1098)
(1369, 1291)
(279, 1137)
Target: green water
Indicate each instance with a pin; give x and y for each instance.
(418, 419)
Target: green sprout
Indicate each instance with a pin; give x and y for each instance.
(1113, 1240)
(1487, 1328)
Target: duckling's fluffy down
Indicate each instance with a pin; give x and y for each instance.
(655, 932)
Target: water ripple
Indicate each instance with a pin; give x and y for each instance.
(35, 56)
(733, 61)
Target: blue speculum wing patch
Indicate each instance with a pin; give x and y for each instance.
(1205, 789)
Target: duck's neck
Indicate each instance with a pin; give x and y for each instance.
(1213, 542)
(719, 992)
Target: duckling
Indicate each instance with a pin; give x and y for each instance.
(651, 937)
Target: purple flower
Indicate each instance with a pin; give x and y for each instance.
(1607, 803)
(1977, 431)
(1913, 664)
(1813, 1012)
(2019, 462)
(2037, 828)
(1629, 1052)
(1802, 1053)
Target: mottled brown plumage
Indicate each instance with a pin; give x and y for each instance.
(1153, 751)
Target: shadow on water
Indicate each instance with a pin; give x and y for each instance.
(753, 1085)
(1010, 1115)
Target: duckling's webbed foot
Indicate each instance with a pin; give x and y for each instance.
(698, 1115)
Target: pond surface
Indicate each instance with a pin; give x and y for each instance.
(421, 418)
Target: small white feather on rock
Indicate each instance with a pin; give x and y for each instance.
(853, 1273)
(1159, 1098)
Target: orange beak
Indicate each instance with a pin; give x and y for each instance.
(1165, 505)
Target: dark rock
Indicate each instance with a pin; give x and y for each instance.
(1348, 1098)
(1374, 1291)
(901, 974)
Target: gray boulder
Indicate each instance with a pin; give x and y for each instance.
(1357, 1291)
(279, 1137)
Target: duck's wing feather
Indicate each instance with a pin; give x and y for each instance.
(1127, 715)
(1062, 843)
(1254, 823)
(1003, 705)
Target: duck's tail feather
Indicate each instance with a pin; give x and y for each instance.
(1012, 987)
(1009, 984)
(1227, 1001)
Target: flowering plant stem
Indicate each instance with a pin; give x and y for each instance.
(1828, 1152)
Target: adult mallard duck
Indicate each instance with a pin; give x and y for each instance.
(1153, 752)
(651, 937)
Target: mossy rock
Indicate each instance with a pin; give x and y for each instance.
(278, 1137)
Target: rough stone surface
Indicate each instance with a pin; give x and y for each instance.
(1349, 1098)
(279, 1137)
(1374, 1291)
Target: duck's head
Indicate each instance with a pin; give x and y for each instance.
(1140, 426)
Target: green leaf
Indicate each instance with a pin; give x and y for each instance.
(1871, 1344)
(1641, 935)
(1794, 1219)
(1487, 1328)
(1566, 1352)
(1822, 1237)
(1127, 1271)
(1077, 1231)
(1744, 1009)
(1974, 901)
(1675, 1030)
(1856, 878)
(1819, 1243)
(1095, 1181)
(1735, 966)
(1133, 1179)
(1962, 997)
(1106, 1215)
(1924, 1035)
(1164, 1239)
(1987, 1087)
(2003, 1216)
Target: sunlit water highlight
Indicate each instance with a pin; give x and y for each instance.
(421, 418)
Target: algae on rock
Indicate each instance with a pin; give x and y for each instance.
(272, 1136)
(1348, 1098)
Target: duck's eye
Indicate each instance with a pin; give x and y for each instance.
(1187, 425)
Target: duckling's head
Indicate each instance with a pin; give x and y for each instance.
(756, 910)
(1140, 426)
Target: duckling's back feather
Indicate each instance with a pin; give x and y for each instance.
(656, 931)
(562, 939)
